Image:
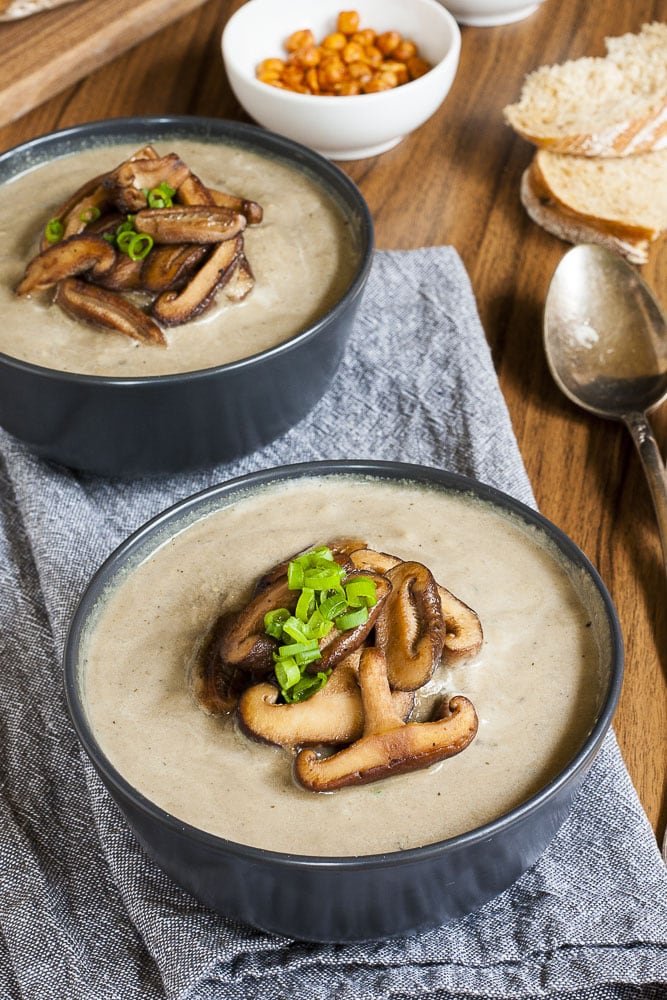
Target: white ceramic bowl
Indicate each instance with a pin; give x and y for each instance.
(341, 128)
(488, 13)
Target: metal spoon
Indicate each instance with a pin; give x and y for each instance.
(605, 338)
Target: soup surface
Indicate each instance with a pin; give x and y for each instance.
(536, 685)
(303, 257)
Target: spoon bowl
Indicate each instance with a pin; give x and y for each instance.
(605, 334)
(605, 338)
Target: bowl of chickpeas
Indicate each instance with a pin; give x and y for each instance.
(349, 83)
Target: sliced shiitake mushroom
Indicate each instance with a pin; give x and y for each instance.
(76, 255)
(107, 310)
(175, 308)
(253, 212)
(379, 562)
(333, 716)
(189, 224)
(241, 281)
(62, 213)
(193, 192)
(338, 644)
(128, 183)
(410, 631)
(168, 268)
(243, 641)
(214, 684)
(464, 635)
(388, 745)
(88, 207)
(124, 276)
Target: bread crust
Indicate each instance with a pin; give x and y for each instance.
(611, 223)
(643, 135)
(572, 227)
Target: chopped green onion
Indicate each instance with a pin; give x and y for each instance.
(333, 606)
(322, 579)
(54, 230)
(295, 575)
(294, 629)
(317, 625)
(306, 687)
(273, 622)
(322, 552)
(360, 592)
(305, 606)
(297, 649)
(140, 246)
(352, 619)
(287, 673)
(160, 196)
(90, 214)
(124, 238)
(323, 601)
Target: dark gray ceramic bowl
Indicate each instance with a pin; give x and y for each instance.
(140, 426)
(345, 898)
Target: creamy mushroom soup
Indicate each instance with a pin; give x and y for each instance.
(536, 685)
(303, 257)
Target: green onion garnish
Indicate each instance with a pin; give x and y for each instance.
(90, 214)
(352, 619)
(54, 230)
(140, 246)
(160, 196)
(323, 602)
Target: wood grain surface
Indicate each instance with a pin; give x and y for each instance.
(456, 181)
(42, 54)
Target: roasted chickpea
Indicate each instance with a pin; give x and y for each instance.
(387, 42)
(417, 67)
(310, 55)
(348, 22)
(293, 76)
(399, 69)
(348, 88)
(311, 80)
(353, 52)
(376, 85)
(349, 60)
(300, 40)
(336, 41)
(405, 50)
(360, 71)
(364, 38)
(330, 72)
(372, 56)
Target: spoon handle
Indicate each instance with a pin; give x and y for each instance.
(651, 459)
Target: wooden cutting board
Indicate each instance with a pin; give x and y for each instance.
(42, 54)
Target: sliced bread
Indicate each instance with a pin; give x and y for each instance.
(627, 196)
(574, 228)
(614, 105)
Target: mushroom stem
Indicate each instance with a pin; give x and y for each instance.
(388, 745)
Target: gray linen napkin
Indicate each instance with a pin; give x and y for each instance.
(83, 914)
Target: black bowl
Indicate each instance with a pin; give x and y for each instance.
(157, 424)
(346, 898)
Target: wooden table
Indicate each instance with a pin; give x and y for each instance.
(456, 181)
